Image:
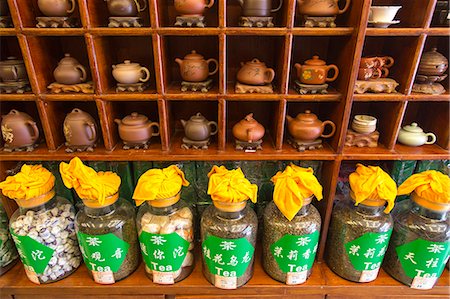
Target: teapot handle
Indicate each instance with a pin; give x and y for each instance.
(270, 73)
(278, 8)
(384, 72)
(213, 123)
(389, 61)
(147, 74)
(347, 4)
(336, 72)
(72, 6)
(35, 130)
(377, 73)
(92, 134)
(211, 3)
(216, 63)
(333, 128)
(156, 125)
(139, 7)
(14, 70)
(83, 72)
(433, 138)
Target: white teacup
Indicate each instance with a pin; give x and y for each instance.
(382, 14)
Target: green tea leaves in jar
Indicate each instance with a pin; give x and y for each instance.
(8, 253)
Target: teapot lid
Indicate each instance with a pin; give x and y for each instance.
(134, 119)
(315, 61)
(16, 114)
(68, 59)
(307, 116)
(255, 61)
(433, 57)
(194, 56)
(78, 114)
(11, 60)
(413, 128)
(249, 119)
(127, 64)
(198, 117)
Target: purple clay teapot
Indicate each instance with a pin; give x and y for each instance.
(125, 8)
(19, 130)
(56, 8)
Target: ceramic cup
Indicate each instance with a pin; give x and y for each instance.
(369, 73)
(383, 14)
(364, 124)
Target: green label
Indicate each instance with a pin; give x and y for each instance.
(227, 257)
(32, 253)
(367, 251)
(295, 253)
(163, 253)
(103, 253)
(421, 258)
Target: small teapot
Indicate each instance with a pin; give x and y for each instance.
(315, 71)
(19, 130)
(255, 72)
(198, 128)
(432, 63)
(194, 68)
(130, 73)
(248, 129)
(192, 7)
(80, 129)
(258, 8)
(125, 8)
(69, 71)
(56, 8)
(321, 8)
(306, 127)
(12, 70)
(413, 135)
(136, 129)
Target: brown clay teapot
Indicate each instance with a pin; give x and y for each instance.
(315, 71)
(198, 128)
(19, 130)
(306, 127)
(12, 70)
(125, 8)
(255, 72)
(69, 71)
(432, 63)
(136, 128)
(80, 129)
(192, 7)
(130, 73)
(321, 8)
(248, 129)
(194, 68)
(56, 8)
(258, 8)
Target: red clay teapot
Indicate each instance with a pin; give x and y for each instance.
(255, 72)
(136, 129)
(192, 7)
(306, 127)
(321, 8)
(80, 130)
(69, 71)
(248, 129)
(56, 8)
(125, 8)
(315, 71)
(19, 130)
(194, 68)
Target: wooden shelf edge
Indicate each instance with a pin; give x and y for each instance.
(394, 31)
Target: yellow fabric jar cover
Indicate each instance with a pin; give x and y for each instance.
(372, 183)
(89, 184)
(292, 186)
(157, 184)
(31, 182)
(430, 185)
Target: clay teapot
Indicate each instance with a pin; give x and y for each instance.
(4, 9)
(192, 7)
(12, 69)
(306, 127)
(194, 68)
(125, 8)
(248, 129)
(80, 129)
(198, 128)
(19, 130)
(69, 71)
(56, 8)
(433, 63)
(315, 71)
(130, 73)
(321, 8)
(136, 128)
(413, 135)
(255, 72)
(258, 8)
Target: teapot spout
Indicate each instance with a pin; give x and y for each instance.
(179, 61)
(183, 123)
(118, 121)
(298, 66)
(289, 118)
(241, 2)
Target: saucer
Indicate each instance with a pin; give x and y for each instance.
(383, 24)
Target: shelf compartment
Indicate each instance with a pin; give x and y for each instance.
(234, 12)
(166, 14)
(98, 14)
(415, 16)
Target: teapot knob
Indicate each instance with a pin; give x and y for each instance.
(13, 111)
(127, 62)
(76, 110)
(249, 117)
(193, 52)
(307, 111)
(315, 57)
(134, 114)
(414, 125)
(66, 55)
(198, 114)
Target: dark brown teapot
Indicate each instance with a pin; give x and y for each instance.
(248, 129)
(56, 8)
(255, 72)
(136, 129)
(125, 8)
(198, 128)
(258, 8)
(194, 68)
(432, 63)
(12, 70)
(306, 127)
(80, 130)
(19, 130)
(69, 71)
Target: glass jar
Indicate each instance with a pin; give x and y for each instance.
(8, 253)
(166, 235)
(228, 234)
(358, 239)
(290, 247)
(46, 240)
(108, 240)
(420, 245)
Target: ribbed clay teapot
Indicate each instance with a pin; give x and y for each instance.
(56, 8)
(306, 127)
(432, 63)
(192, 7)
(258, 8)
(19, 130)
(321, 8)
(12, 70)
(130, 73)
(315, 71)
(248, 129)
(136, 128)
(198, 128)
(255, 72)
(80, 129)
(413, 135)
(69, 71)
(194, 68)
(125, 8)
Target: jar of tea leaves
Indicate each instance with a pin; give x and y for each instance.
(43, 227)
(105, 225)
(420, 243)
(229, 229)
(360, 230)
(8, 253)
(165, 225)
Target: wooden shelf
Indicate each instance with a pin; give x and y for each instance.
(394, 31)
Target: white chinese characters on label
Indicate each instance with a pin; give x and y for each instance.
(423, 283)
(294, 278)
(369, 275)
(227, 283)
(163, 277)
(103, 277)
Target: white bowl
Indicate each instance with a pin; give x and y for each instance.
(382, 14)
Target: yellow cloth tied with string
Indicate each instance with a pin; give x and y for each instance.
(157, 184)
(292, 186)
(32, 181)
(230, 186)
(372, 183)
(89, 184)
